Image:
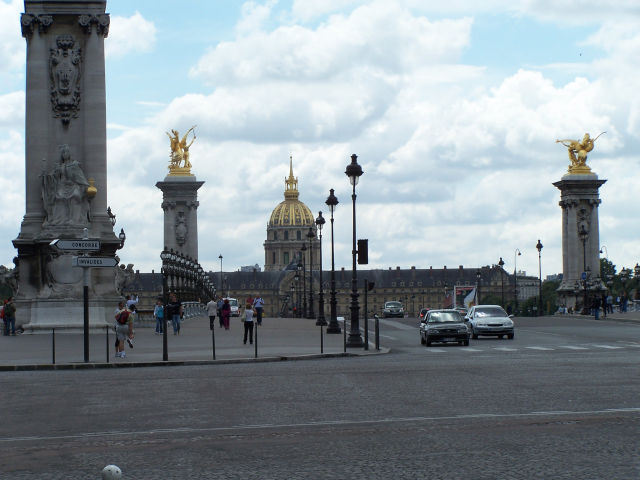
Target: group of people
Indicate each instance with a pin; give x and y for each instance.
(174, 312)
(222, 308)
(125, 314)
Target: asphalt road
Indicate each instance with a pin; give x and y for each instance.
(560, 401)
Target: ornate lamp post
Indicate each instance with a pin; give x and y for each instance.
(221, 285)
(320, 221)
(539, 248)
(501, 265)
(292, 298)
(354, 171)
(584, 235)
(310, 236)
(334, 326)
(165, 256)
(304, 279)
(298, 272)
(516, 254)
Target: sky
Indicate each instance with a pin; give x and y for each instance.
(453, 109)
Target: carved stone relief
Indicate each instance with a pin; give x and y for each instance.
(181, 229)
(101, 22)
(64, 192)
(29, 21)
(64, 71)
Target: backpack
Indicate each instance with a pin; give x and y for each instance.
(122, 317)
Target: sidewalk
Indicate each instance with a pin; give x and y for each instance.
(278, 339)
(624, 317)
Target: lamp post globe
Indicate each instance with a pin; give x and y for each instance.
(320, 221)
(334, 326)
(354, 172)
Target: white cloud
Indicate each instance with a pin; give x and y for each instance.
(129, 35)
(12, 45)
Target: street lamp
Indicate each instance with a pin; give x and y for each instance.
(516, 254)
(354, 171)
(478, 275)
(501, 265)
(297, 277)
(221, 285)
(304, 280)
(320, 221)
(604, 250)
(539, 248)
(122, 236)
(334, 326)
(292, 297)
(311, 236)
(584, 235)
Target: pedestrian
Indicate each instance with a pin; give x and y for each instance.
(247, 318)
(158, 314)
(175, 312)
(212, 308)
(131, 301)
(220, 304)
(605, 308)
(226, 313)
(596, 307)
(258, 304)
(124, 329)
(9, 317)
(610, 303)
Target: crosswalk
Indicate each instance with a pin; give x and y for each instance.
(535, 348)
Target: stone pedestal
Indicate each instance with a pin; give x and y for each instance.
(180, 206)
(579, 199)
(66, 163)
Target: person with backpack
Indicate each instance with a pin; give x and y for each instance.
(258, 304)
(220, 304)
(174, 312)
(9, 312)
(124, 329)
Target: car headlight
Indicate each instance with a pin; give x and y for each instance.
(462, 330)
(508, 323)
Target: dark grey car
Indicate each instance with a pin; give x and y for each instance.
(444, 326)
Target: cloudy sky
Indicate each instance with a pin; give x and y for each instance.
(453, 109)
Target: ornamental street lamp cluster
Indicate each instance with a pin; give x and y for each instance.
(185, 277)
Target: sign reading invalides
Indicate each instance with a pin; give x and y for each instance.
(94, 262)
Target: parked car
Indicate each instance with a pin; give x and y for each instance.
(233, 303)
(423, 312)
(393, 309)
(446, 325)
(490, 320)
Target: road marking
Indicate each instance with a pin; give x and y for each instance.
(572, 347)
(506, 349)
(608, 347)
(539, 348)
(470, 349)
(325, 423)
(435, 350)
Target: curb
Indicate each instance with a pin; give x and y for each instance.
(179, 363)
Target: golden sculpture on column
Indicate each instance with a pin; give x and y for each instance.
(179, 165)
(578, 150)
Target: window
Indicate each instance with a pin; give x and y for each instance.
(273, 257)
(275, 235)
(298, 235)
(286, 235)
(286, 258)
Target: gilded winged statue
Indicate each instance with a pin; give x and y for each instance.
(180, 150)
(578, 150)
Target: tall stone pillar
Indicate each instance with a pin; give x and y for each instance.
(66, 164)
(579, 200)
(180, 206)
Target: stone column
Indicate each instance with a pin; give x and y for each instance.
(180, 206)
(65, 138)
(579, 199)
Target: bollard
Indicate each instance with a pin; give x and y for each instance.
(53, 346)
(213, 341)
(255, 326)
(111, 472)
(321, 341)
(377, 331)
(107, 329)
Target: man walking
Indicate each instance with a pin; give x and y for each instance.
(258, 304)
(212, 307)
(9, 317)
(220, 305)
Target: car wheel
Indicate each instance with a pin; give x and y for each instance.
(466, 342)
(510, 336)
(428, 342)
(474, 335)
(422, 342)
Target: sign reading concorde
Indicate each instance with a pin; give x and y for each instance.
(76, 244)
(94, 262)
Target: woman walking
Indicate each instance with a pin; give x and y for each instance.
(248, 322)
(158, 314)
(226, 313)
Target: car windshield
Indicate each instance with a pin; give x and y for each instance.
(490, 312)
(445, 317)
(233, 302)
(392, 304)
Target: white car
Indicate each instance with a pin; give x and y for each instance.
(235, 311)
(490, 320)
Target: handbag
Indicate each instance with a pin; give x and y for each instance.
(243, 317)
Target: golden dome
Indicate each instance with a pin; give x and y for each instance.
(291, 212)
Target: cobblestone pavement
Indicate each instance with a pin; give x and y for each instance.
(457, 414)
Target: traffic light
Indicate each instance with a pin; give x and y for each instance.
(363, 251)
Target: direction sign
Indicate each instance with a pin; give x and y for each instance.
(584, 275)
(94, 262)
(75, 244)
